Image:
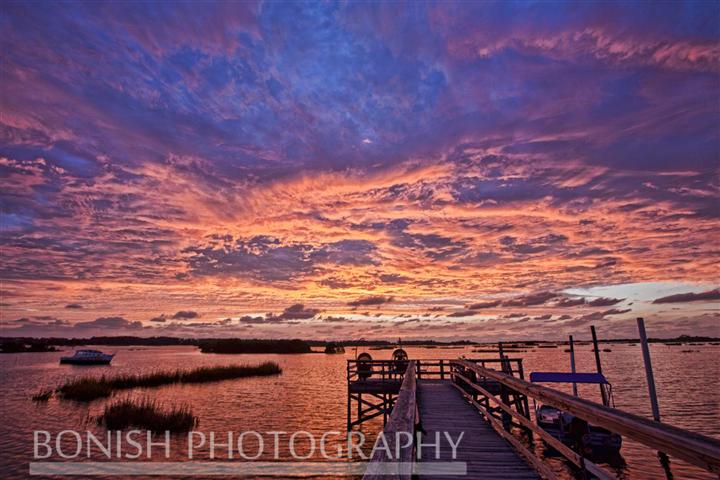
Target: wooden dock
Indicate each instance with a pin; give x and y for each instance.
(486, 455)
(489, 407)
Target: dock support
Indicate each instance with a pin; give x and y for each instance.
(648, 370)
(349, 411)
(572, 364)
(603, 395)
(662, 456)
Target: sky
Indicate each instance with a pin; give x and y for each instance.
(446, 170)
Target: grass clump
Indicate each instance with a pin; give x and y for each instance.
(90, 388)
(215, 374)
(85, 389)
(147, 414)
(42, 396)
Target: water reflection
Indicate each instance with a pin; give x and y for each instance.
(311, 396)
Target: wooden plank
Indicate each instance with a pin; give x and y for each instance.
(486, 454)
(700, 450)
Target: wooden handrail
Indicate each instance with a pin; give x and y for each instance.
(403, 419)
(571, 455)
(700, 450)
(384, 369)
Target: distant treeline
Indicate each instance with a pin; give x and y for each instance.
(236, 345)
(371, 343)
(119, 340)
(157, 341)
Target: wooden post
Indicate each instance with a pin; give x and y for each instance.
(525, 398)
(648, 370)
(506, 418)
(572, 364)
(385, 408)
(349, 411)
(605, 400)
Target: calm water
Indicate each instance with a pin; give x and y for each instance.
(311, 395)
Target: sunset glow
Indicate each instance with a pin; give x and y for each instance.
(449, 171)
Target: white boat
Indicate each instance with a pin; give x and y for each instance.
(88, 357)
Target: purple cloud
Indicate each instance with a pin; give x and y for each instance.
(690, 297)
(369, 301)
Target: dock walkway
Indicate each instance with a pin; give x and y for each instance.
(489, 406)
(486, 454)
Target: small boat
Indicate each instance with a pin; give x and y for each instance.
(575, 432)
(548, 418)
(88, 357)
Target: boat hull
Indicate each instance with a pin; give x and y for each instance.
(85, 361)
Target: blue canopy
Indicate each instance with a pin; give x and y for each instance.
(561, 377)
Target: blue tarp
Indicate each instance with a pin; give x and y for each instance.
(561, 377)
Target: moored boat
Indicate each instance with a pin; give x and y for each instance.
(88, 357)
(583, 437)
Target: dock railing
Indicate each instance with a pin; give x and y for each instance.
(425, 368)
(400, 427)
(697, 449)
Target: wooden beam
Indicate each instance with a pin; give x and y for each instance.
(402, 419)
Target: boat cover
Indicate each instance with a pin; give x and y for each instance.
(561, 377)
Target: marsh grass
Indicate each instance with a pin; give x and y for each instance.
(42, 396)
(89, 388)
(147, 414)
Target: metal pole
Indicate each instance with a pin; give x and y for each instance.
(605, 400)
(572, 364)
(648, 369)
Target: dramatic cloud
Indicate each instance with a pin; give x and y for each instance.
(268, 259)
(73, 306)
(604, 302)
(579, 301)
(690, 297)
(475, 156)
(369, 301)
(249, 319)
(298, 311)
(109, 323)
(570, 302)
(482, 305)
(530, 300)
(463, 313)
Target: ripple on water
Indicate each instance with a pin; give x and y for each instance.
(311, 395)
